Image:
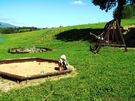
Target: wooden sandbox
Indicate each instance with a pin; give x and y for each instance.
(29, 68)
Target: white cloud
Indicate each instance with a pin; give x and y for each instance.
(78, 2)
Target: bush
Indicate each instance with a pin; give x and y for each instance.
(128, 12)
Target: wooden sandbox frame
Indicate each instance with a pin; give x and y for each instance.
(22, 78)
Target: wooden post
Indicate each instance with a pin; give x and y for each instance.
(122, 38)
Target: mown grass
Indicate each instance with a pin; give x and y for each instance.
(108, 76)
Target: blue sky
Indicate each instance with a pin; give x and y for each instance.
(51, 13)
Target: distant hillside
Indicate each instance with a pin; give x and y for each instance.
(6, 25)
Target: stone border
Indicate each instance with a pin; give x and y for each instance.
(28, 50)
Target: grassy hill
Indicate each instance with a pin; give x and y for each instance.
(108, 76)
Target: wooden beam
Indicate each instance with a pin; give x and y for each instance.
(118, 26)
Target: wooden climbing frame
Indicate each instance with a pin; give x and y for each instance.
(111, 36)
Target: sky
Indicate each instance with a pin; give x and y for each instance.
(51, 13)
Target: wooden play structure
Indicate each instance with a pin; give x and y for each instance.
(111, 36)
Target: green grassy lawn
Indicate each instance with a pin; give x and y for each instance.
(108, 76)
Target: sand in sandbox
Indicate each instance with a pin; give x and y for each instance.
(28, 69)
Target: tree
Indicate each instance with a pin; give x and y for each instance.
(109, 4)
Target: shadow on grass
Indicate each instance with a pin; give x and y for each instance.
(84, 35)
(130, 38)
(78, 34)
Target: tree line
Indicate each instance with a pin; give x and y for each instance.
(17, 30)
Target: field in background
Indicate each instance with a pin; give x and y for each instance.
(110, 75)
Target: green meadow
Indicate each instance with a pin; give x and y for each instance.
(107, 76)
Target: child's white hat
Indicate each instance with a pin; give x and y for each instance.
(63, 57)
